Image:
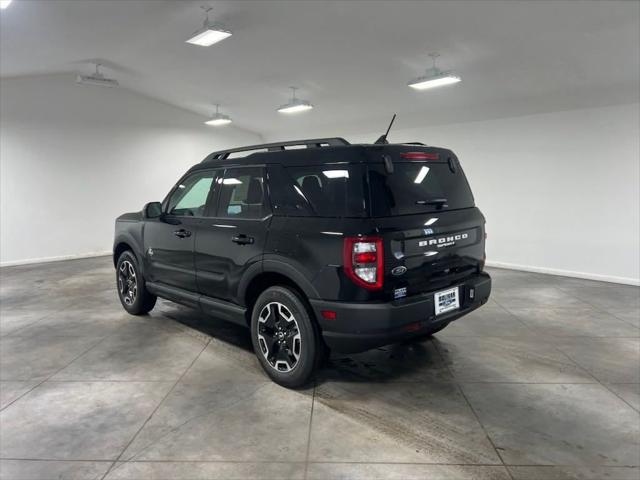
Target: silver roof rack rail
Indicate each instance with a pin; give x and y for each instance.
(279, 146)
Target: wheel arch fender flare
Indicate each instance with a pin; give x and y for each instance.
(272, 265)
(135, 247)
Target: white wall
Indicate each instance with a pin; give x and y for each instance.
(73, 158)
(560, 190)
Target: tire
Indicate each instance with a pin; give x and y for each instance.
(130, 283)
(285, 338)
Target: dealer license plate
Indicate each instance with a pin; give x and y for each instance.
(446, 301)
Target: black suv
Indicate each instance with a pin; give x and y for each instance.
(315, 245)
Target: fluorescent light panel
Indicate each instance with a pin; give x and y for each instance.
(219, 121)
(295, 107)
(209, 35)
(424, 83)
(98, 80)
(4, 4)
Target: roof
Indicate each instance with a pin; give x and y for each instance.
(301, 152)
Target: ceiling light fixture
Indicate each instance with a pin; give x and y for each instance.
(295, 105)
(5, 3)
(210, 33)
(97, 79)
(434, 77)
(218, 119)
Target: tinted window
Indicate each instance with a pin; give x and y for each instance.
(190, 197)
(242, 193)
(416, 187)
(318, 190)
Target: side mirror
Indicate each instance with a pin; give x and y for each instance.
(152, 210)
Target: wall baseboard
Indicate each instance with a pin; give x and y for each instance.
(505, 265)
(566, 273)
(60, 258)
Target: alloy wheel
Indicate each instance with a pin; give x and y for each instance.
(127, 282)
(279, 337)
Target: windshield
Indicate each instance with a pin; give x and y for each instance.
(417, 187)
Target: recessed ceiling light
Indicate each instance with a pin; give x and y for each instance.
(434, 77)
(5, 3)
(218, 119)
(210, 33)
(295, 105)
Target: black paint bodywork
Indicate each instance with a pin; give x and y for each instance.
(208, 270)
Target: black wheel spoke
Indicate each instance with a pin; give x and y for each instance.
(272, 319)
(283, 355)
(271, 343)
(289, 339)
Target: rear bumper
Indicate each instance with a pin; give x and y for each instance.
(362, 326)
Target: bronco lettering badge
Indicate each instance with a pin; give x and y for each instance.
(443, 241)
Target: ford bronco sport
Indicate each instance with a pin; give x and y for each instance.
(314, 245)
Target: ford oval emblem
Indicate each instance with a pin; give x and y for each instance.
(397, 271)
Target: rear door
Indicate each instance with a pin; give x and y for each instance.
(433, 233)
(232, 239)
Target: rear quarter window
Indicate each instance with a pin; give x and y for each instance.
(413, 185)
(327, 190)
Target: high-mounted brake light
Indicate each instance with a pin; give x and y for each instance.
(419, 156)
(363, 261)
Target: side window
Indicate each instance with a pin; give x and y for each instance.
(190, 198)
(286, 196)
(326, 190)
(242, 193)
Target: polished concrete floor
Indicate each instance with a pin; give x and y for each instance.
(541, 383)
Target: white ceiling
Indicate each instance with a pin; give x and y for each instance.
(352, 59)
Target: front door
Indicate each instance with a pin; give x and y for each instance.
(169, 240)
(233, 239)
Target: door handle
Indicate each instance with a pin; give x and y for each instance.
(242, 239)
(182, 233)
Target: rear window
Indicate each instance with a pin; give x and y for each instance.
(328, 190)
(417, 187)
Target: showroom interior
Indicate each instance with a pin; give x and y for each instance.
(105, 104)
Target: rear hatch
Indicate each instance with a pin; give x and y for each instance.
(432, 232)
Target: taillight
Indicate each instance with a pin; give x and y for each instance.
(363, 261)
(419, 156)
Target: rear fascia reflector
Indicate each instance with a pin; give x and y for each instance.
(329, 314)
(412, 327)
(419, 156)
